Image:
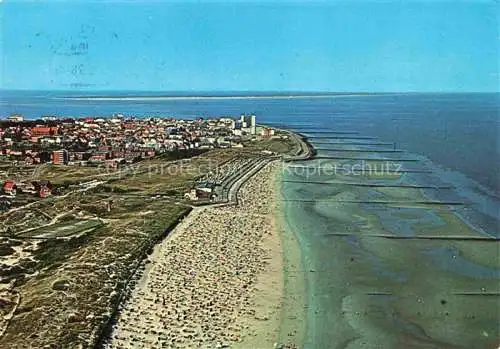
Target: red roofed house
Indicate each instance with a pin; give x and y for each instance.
(99, 156)
(44, 131)
(129, 125)
(148, 153)
(43, 188)
(9, 188)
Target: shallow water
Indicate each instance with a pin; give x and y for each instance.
(368, 291)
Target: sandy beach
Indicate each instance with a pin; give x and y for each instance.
(216, 281)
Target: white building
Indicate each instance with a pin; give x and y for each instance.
(247, 124)
(253, 124)
(15, 118)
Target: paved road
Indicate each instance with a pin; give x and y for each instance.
(227, 192)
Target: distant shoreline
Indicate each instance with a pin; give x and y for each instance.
(167, 98)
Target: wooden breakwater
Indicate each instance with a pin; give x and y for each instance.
(372, 185)
(381, 202)
(332, 132)
(339, 137)
(420, 237)
(354, 143)
(356, 170)
(361, 150)
(363, 159)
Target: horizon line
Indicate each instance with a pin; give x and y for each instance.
(280, 92)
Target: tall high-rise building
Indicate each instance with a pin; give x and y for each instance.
(247, 123)
(253, 125)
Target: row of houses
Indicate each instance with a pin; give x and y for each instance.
(41, 188)
(88, 140)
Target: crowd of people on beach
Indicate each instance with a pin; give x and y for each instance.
(199, 281)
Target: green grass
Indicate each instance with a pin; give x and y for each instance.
(6, 249)
(275, 145)
(64, 229)
(51, 253)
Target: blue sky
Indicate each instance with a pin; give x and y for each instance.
(371, 46)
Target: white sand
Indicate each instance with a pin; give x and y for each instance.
(200, 287)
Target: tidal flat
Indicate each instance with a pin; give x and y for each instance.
(384, 267)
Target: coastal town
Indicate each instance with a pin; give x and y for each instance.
(117, 140)
(110, 143)
(84, 202)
